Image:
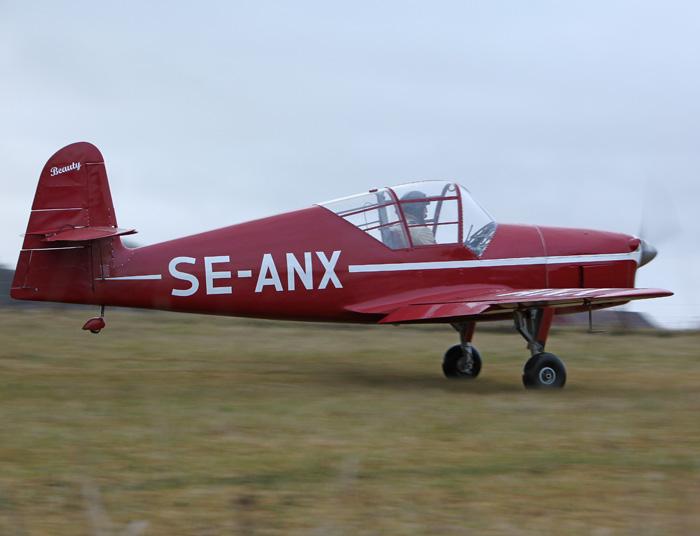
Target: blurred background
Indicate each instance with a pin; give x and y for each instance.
(579, 114)
(582, 114)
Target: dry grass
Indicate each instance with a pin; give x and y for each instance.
(168, 424)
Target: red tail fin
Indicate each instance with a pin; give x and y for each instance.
(72, 207)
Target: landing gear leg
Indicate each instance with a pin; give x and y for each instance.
(462, 360)
(97, 324)
(543, 370)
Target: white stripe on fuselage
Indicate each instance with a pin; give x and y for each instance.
(440, 265)
(488, 263)
(131, 278)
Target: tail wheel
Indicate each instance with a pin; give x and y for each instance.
(458, 364)
(544, 371)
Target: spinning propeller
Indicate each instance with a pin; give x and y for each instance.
(659, 223)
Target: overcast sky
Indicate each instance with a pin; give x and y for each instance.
(583, 114)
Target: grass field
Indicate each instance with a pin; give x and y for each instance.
(176, 424)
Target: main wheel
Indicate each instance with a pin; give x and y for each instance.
(544, 371)
(456, 365)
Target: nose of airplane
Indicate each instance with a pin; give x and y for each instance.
(648, 253)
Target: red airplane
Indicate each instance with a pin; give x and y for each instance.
(423, 252)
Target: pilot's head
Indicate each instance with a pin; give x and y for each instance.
(416, 210)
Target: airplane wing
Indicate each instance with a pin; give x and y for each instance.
(472, 300)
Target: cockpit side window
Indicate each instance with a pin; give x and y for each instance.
(419, 214)
(375, 213)
(431, 210)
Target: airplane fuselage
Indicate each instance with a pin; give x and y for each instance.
(311, 265)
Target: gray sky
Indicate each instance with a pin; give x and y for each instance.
(582, 114)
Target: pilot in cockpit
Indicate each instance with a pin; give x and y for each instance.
(416, 213)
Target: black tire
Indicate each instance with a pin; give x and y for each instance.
(455, 365)
(544, 371)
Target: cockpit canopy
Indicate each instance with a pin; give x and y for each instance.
(418, 214)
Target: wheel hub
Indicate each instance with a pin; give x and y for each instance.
(547, 376)
(465, 365)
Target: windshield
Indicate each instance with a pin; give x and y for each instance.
(419, 214)
(478, 227)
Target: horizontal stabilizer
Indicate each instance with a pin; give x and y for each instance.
(85, 233)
